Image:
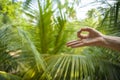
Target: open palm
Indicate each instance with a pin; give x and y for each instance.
(94, 38)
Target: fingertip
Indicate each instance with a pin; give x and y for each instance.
(67, 45)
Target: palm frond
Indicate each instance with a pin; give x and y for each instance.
(7, 49)
(74, 67)
(7, 76)
(35, 52)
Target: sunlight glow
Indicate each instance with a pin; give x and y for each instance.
(86, 5)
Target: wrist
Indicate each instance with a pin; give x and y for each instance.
(103, 40)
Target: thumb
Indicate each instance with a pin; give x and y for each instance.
(79, 35)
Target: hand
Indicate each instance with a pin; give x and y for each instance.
(94, 38)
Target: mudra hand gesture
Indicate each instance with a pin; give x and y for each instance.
(95, 38)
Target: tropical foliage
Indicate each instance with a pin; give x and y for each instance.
(33, 34)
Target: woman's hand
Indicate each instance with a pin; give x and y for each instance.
(94, 38)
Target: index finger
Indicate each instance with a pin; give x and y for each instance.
(88, 29)
(83, 29)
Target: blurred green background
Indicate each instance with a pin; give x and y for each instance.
(33, 36)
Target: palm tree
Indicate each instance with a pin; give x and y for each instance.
(49, 59)
(73, 66)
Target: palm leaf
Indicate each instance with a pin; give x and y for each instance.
(8, 76)
(8, 40)
(87, 65)
(35, 52)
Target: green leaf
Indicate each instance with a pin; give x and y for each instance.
(8, 76)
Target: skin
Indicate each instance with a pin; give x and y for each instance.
(95, 38)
